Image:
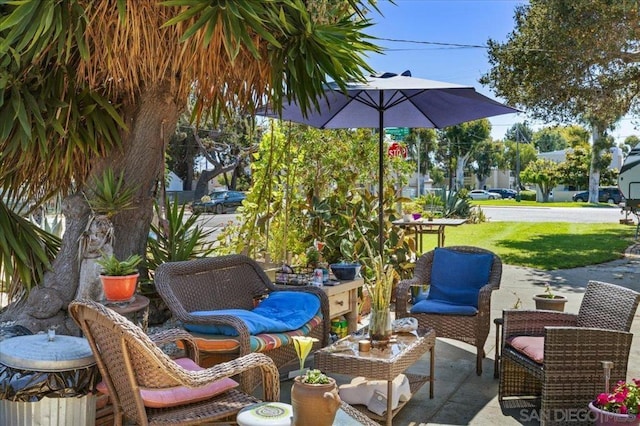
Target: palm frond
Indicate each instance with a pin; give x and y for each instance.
(26, 252)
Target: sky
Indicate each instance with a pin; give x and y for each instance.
(457, 22)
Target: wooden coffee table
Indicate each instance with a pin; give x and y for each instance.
(343, 357)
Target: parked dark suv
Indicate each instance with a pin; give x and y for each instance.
(504, 192)
(219, 201)
(606, 194)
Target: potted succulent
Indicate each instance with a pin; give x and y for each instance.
(314, 395)
(119, 277)
(314, 399)
(622, 405)
(549, 300)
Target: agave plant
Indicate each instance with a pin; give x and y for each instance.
(178, 239)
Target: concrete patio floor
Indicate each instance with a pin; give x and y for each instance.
(463, 398)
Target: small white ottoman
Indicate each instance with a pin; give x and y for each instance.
(266, 414)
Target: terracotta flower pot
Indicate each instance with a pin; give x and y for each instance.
(119, 288)
(314, 404)
(550, 304)
(606, 418)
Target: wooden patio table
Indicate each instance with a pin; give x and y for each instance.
(425, 226)
(405, 349)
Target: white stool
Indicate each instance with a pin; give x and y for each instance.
(266, 414)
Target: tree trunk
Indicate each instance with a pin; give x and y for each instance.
(459, 173)
(151, 121)
(594, 170)
(461, 162)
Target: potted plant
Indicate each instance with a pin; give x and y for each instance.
(119, 277)
(314, 395)
(109, 196)
(549, 300)
(313, 257)
(314, 399)
(406, 215)
(380, 290)
(622, 405)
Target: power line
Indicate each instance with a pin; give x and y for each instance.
(436, 43)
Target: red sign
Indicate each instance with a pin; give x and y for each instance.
(397, 150)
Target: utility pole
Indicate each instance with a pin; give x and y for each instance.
(518, 136)
(419, 175)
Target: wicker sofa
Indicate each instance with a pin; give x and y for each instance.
(233, 282)
(471, 327)
(557, 357)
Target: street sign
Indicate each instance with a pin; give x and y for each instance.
(397, 133)
(397, 150)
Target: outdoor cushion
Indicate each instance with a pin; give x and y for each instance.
(456, 277)
(419, 293)
(530, 346)
(282, 311)
(439, 307)
(179, 395)
(260, 343)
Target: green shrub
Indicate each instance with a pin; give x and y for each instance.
(528, 195)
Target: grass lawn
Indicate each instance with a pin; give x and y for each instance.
(547, 245)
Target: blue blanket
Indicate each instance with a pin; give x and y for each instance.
(281, 311)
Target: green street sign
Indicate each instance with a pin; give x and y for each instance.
(397, 133)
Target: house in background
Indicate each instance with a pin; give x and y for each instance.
(174, 183)
(561, 192)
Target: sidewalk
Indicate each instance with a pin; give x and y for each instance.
(463, 398)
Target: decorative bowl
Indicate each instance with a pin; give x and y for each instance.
(416, 216)
(345, 271)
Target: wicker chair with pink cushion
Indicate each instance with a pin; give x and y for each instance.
(557, 356)
(212, 298)
(460, 280)
(147, 387)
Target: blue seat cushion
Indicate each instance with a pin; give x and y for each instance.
(444, 308)
(456, 277)
(282, 311)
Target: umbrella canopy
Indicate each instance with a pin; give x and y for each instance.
(392, 100)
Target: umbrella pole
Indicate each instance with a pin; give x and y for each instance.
(381, 177)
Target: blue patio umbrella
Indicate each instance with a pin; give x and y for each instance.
(392, 100)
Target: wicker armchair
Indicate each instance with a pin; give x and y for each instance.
(133, 367)
(570, 373)
(469, 328)
(229, 282)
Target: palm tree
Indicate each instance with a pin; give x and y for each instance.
(90, 85)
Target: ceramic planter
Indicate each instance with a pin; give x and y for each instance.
(555, 303)
(314, 404)
(119, 288)
(606, 418)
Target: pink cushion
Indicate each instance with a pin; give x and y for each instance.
(530, 346)
(179, 395)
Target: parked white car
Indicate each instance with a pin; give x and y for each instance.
(481, 194)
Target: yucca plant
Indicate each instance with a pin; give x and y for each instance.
(110, 195)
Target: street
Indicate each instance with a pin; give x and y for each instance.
(554, 214)
(493, 214)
